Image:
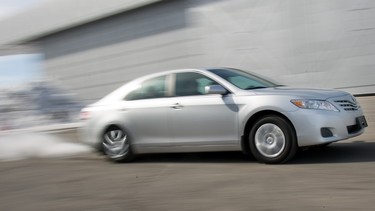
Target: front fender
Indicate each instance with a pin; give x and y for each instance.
(251, 106)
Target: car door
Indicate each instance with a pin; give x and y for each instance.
(198, 119)
(145, 113)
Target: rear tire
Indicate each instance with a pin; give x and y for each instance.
(116, 145)
(272, 140)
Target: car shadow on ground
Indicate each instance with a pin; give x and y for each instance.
(341, 152)
(201, 157)
(344, 152)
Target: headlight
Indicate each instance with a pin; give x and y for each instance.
(314, 104)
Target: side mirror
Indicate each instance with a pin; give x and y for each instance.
(215, 89)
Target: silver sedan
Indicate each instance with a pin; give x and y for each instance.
(218, 109)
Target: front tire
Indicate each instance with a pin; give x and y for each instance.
(272, 140)
(116, 145)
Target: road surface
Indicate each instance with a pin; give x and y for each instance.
(339, 177)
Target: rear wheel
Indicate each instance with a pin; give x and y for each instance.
(116, 145)
(272, 140)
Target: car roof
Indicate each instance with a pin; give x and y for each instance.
(115, 93)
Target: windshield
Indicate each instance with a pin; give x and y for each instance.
(242, 79)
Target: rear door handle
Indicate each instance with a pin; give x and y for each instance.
(177, 106)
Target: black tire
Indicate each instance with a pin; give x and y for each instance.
(116, 145)
(272, 140)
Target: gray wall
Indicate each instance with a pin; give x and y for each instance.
(96, 58)
(320, 43)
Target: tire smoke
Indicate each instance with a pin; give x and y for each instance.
(24, 146)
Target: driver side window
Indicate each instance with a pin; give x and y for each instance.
(190, 84)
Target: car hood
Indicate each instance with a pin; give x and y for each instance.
(301, 93)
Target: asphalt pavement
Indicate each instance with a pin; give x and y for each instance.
(338, 177)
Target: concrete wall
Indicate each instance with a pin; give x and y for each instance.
(320, 43)
(46, 17)
(96, 58)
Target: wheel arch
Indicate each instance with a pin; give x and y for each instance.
(252, 120)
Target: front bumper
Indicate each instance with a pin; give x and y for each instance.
(314, 127)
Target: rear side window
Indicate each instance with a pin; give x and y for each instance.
(190, 83)
(149, 89)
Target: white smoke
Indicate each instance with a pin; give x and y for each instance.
(23, 146)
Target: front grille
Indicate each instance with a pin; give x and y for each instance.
(348, 105)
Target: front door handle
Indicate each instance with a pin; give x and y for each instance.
(177, 106)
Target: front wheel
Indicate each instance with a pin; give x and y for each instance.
(116, 145)
(272, 140)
